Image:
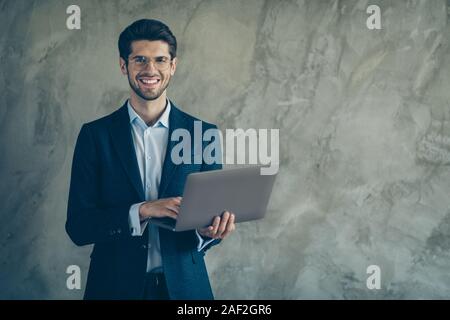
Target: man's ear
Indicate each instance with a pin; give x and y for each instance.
(173, 66)
(123, 66)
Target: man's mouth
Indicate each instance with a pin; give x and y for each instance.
(149, 82)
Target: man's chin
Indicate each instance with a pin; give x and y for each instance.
(148, 96)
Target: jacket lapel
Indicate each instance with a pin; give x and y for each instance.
(123, 143)
(176, 121)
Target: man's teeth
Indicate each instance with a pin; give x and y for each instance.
(146, 81)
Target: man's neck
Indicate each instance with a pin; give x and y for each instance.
(149, 111)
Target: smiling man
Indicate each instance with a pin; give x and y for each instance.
(123, 176)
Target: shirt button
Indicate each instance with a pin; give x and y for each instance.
(148, 186)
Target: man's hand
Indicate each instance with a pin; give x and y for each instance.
(220, 228)
(167, 207)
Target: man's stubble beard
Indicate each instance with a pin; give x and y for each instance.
(142, 95)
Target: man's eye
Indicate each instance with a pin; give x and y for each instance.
(139, 60)
(161, 60)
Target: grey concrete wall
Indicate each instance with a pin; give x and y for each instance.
(364, 125)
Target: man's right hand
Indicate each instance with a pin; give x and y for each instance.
(160, 208)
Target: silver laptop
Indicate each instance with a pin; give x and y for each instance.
(243, 191)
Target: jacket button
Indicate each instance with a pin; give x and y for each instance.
(144, 246)
(112, 232)
(119, 231)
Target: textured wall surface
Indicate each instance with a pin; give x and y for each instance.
(364, 125)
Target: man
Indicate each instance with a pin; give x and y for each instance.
(123, 177)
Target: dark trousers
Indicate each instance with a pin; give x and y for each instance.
(155, 287)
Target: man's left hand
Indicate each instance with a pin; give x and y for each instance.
(220, 228)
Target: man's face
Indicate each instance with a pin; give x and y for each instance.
(149, 68)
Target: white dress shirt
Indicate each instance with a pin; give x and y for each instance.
(150, 144)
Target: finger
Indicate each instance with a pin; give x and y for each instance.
(223, 224)
(205, 229)
(230, 226)
(173, 208)
(169, 213)
(177, 200)
(215, 226)
(206, 232)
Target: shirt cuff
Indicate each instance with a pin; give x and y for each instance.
(136, 226)
(202, 243)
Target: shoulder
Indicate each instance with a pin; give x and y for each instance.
(188, 118)
(102, 124)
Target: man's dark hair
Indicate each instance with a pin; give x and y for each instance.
(146, 29)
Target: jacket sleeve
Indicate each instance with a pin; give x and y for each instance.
(87, 221)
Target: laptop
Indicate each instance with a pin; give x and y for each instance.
(243, 191)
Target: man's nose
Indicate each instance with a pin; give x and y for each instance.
(150, 66)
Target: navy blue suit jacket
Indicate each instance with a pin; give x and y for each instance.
(105, 182)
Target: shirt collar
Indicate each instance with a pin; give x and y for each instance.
(162, 121)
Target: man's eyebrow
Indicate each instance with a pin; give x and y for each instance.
(157, 57)
(161, 57)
